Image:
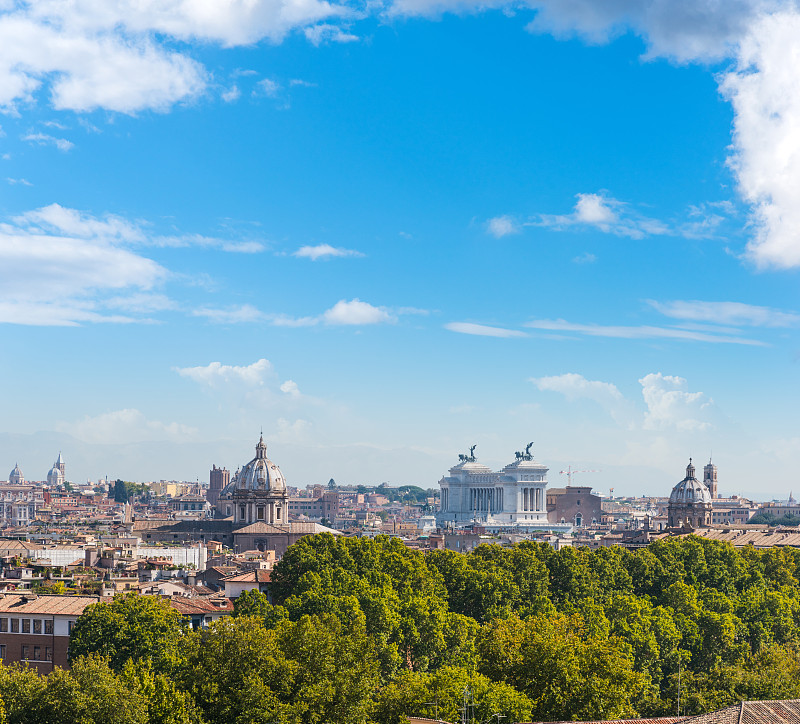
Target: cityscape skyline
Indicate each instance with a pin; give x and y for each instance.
(384, 234)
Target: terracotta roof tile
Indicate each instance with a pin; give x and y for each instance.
(26, 603)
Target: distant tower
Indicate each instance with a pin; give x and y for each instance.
(710, 478)
(60, 463)
(218, 479)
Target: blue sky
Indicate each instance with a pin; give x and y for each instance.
(384, 233)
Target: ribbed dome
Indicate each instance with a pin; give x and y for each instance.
(260, 473)
(690, 489)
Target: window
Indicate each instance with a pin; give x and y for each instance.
(2, 651)
(70, 626)
(48, 653)
(25, 652)
(279, 513)
(242, 512)
(37, 653)
(3, 625)
(26, 625)
(14, 625)
(260, 513)
(48, 626)
(37, 625)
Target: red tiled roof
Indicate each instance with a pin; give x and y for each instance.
(44, 604)
(257, 576)
(188, 606)
(658, 720)
(786, 711)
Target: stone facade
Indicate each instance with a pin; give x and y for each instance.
(514, 497)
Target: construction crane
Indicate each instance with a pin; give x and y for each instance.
(569, 472)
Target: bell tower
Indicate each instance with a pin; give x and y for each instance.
(710, 478)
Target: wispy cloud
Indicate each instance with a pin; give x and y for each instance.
(726, 313)
(482, 330)
(344, 313)
(19, 182)
(638, 332)
(267, 87)
(62, 266)
(606, 214)
(574, 386)
(125, 426)
(501, 226)
(231, 94)
(327, 33)
(43, 139)
(243, 314)
(324, 251)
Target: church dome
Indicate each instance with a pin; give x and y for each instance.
(260, 473)
(16, 476)
(690, 490)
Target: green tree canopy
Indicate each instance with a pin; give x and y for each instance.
(129, 627)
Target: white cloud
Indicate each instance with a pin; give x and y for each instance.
(671, 405)
(290, 388)
(356, 312)
(324, 251)
(574, 386)
(62, 220)
(765, 93)
(19, 181)
(727, 313)
(327, 33)
(232, 94)
(682, 29)
(119, 54)
(62, 266)
(585, 258)
(43, 139)
(501, 226)
(215, 373)
(606, 214)
(483, 330)
(246, 313)
(638, 332)
(268, 87)
(125, 426)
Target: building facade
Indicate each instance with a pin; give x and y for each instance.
(574, 504)
(35, 629)
(511, 498)
(20, 504)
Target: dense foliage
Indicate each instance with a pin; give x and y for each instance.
(366, 630)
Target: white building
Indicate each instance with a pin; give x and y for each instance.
(513, 498)
(19, 504)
